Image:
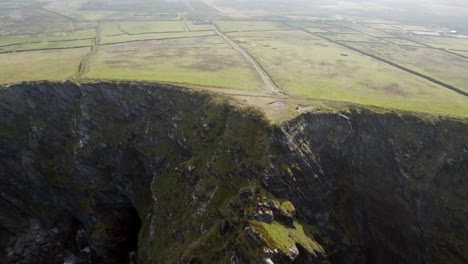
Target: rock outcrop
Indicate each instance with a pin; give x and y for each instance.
(122, 172)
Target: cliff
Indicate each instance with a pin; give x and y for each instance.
(122, 172)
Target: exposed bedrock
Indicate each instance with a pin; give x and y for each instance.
(150, 173)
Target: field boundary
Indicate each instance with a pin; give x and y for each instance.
(46, 49)
(84, 64)
(129, 41)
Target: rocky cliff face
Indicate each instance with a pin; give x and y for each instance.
(383, 188)
(120, 172)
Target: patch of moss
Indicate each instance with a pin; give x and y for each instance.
(287, 207)
(276, 235)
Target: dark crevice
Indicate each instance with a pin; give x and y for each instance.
(115, 235)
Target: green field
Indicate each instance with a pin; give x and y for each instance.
(295, 34)
(54, 40)
(159, 41)
(198, 60)
(34, 27)
(40, 65)
(435, 63)
(9, 48)
(319, 69)
(111, 29)
(151, 27)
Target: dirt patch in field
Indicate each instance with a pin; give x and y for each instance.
(277, 105)
(392, 88)
(213, 63)
(117, 62)
(304, 109)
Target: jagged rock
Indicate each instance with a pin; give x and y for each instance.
(225, 227)
(252, 236)
(234, 259)
(281, 216)
(272, 180)
(203, 229)
(284, 218)
(265, 216)
(82, 238)
(193, 260)
(19, 246)
(246, 193)
(39, 238)
(293, 252)
(248, 215)
(190, 168)
(268, 261)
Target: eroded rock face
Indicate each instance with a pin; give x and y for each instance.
(388, 188)
(183, 177)
(113, 155)
(73, 151)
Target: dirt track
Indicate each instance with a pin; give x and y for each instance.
(265, 77)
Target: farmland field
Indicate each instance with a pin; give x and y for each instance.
(151, 27)
(59, 36)
(312, 67)
(40, 65)
(443, 42)
(438, 64)
(198, 60)
(273, 49)
(229, 26)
